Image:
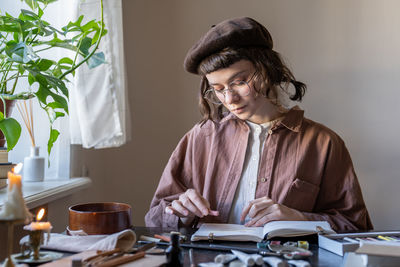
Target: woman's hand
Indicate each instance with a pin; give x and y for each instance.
(189, 205)
(263, 210)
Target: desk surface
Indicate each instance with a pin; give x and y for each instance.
(321, 257)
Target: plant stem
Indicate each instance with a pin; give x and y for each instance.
(94, 50)
(77, 51)
(6, 70)
(14, 76)
(4, 85)
(15, 84)
(4, 39)
(23, 95)
(4, 106)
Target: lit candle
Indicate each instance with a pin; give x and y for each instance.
(14, 207)
(38, 225)
(36, 230)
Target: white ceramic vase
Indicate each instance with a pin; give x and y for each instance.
(34, 166)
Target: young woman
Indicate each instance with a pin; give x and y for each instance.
(252, 159)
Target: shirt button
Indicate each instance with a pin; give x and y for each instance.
(254, 158)
(269, 131)
(263, 179)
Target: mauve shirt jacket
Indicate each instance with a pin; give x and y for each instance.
(304, 166)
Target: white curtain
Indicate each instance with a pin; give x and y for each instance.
(98, 98)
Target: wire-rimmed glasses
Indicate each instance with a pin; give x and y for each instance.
(241, 88)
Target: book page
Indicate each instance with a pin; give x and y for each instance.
(294, 228)
(227, 230)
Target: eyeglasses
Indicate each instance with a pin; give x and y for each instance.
(241, 88)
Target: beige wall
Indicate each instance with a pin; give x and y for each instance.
(346, 51)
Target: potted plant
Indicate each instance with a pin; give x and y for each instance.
(23, 40)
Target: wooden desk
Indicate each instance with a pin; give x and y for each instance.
(321, 257)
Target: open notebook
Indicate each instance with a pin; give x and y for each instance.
(237, 232)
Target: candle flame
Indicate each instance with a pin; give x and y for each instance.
(40, 214)
(17, 168)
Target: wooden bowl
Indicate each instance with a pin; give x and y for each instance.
(100, 218)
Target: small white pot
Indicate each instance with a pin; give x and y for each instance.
(33, 166)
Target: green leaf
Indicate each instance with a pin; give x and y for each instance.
(59, 43)
(73, 26)
(96, 37)
(57, 71)
(90, 25)
(85, 45)
(52, 114)
(57, 83)
(11, 130)
(53, 137)
(44, 92)
(20, 52)
(55, 105)
(40, 12)
(66, 60)
(59, 114)
(44, 64)
(21, 69)
(10, 24)
(96, 60)
(31, 79)
(29, 15)
(46, 81)
(17, 36)
(31, 3)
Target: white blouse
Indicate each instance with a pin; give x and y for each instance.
(246, 189)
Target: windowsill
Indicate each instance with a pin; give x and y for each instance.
(39, 193)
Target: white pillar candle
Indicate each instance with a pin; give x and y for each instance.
(14, 207)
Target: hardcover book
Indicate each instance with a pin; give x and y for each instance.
(237, 232)
(3, 155)
(5, 168)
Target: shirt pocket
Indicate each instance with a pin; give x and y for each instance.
(301, 195)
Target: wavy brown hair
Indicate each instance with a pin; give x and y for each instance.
(271, 73)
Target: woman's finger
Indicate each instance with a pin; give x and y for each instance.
(255, 206)
(259, 205)
(170, 210)
(259, 215)
(246, 211)
(260, 220)
(179, 207)
(199, 201)
(189, 205)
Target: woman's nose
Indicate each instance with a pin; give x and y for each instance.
(231, 97)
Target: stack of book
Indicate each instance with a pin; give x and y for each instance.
(5, 166)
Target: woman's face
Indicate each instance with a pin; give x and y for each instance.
(253, 107)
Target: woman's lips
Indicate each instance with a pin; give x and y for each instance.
(239, 110)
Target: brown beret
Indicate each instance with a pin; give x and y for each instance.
(237, 32)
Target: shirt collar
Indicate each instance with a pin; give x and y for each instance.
(292, 120)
